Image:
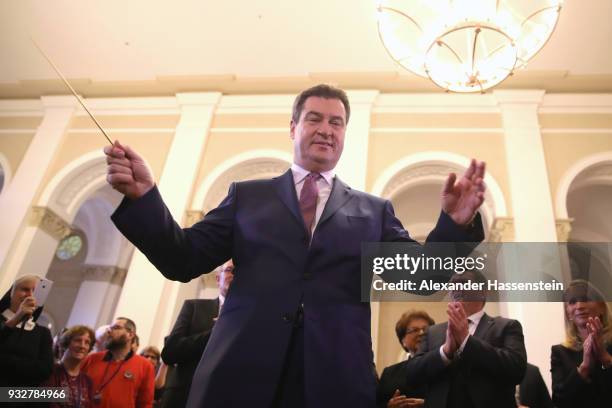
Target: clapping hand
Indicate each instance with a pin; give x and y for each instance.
(457, 329)
(461, 199)
(595, 329)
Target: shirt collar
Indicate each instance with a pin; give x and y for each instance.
(476, 317)
(109, 356)
(299, 173)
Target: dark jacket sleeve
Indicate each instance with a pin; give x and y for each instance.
(181, 345)
(567, 384)
(179, 254)
(508, 360)
(427, 365)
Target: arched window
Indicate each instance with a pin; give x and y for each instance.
(69, 247)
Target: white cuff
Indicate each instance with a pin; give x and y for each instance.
(462, 346)
(445, 359)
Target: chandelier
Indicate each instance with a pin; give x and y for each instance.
(465, 45)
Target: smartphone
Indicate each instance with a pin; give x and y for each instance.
(41, 291)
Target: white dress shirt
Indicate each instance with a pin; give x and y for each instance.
(473, 321)
(324, 185)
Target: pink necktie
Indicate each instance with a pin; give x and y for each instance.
(308, 200)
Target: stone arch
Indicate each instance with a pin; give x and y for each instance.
(254, 164)
(74, 184)
(591, 170)
(80, 196)
(433, 167)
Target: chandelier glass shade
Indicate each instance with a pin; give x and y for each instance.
(465, 45)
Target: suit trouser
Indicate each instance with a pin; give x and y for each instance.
(290, 390)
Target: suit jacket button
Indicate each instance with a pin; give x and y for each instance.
(286, 318)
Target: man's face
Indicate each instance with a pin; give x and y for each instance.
(473, 301)
(118, 335)
(414, 333)
(225, 277)
(318, 137)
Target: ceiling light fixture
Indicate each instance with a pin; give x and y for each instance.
(465, 45)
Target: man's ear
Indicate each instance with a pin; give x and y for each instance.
(292, 130)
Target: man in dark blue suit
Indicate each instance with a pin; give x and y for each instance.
(293, 332)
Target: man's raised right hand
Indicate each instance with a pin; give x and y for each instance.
(127, 172)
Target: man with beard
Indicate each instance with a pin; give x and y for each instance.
(121, 379)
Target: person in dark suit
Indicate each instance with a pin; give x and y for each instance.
(581, 367)
(532, 392)
(394, 391)
(294, 325)
(473, 360)
(184, 346)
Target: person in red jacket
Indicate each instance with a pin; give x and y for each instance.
(121, 379)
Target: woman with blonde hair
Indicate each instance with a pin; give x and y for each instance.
(581, 366)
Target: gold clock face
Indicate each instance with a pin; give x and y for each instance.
(69, 247)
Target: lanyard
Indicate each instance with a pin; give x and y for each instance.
(104, 384)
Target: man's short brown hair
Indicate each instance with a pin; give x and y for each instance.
(75, 331)
(129, 324)
(402, 324)
(323, 91)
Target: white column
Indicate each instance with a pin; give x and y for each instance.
(144, 282)
(16, 200)
(352, 167)
(534, 219)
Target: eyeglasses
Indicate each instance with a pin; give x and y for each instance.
(419, 330)
(117, 327)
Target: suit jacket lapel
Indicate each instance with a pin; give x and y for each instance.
(483, 326)
(285, 188)
(339, 196)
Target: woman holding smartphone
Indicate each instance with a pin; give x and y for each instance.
(26, 355)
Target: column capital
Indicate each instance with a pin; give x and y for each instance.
(191, 217)
(519, 97)
(50, 222)
(564, 227)
(198, 98)
(59, 101)
(362, 97)
(502, 230)
(99, 273)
